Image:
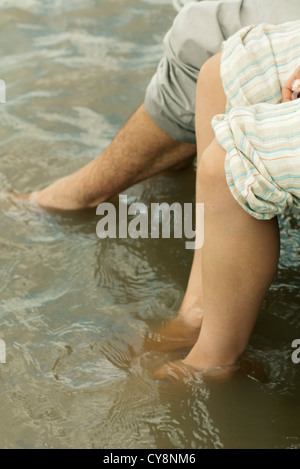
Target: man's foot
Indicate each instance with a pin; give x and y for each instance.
(14, 198)
(60, 195)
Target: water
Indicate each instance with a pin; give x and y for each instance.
(74, 309)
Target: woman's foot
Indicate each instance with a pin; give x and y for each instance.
(183, 371)
(179, 333)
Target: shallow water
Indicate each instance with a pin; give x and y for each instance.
(74, 309)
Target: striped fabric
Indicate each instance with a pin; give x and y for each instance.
(260, 134)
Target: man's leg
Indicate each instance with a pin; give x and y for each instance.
(170, 102)
(144, 148)
(140, 150)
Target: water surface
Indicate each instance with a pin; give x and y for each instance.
(74, 309)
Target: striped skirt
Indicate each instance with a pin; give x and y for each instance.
(261, 135)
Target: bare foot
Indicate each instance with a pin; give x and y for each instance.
(176, 370)
(179, 333)
(12, 197)
(58, 196)
(183, 372)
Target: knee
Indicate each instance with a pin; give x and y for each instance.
(211, 66)
(205, 169)
(209, 75)
(210, 170)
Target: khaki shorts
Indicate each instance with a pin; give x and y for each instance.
(198, 33)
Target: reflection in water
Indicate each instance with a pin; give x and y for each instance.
(74, 310)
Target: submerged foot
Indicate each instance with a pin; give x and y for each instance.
(183, 370)
(12, 197)
(178, 333)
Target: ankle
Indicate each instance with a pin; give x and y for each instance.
(205, 359)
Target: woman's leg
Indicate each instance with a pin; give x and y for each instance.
(210, 100)
(239, 259)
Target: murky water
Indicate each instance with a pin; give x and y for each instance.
(74, 309)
